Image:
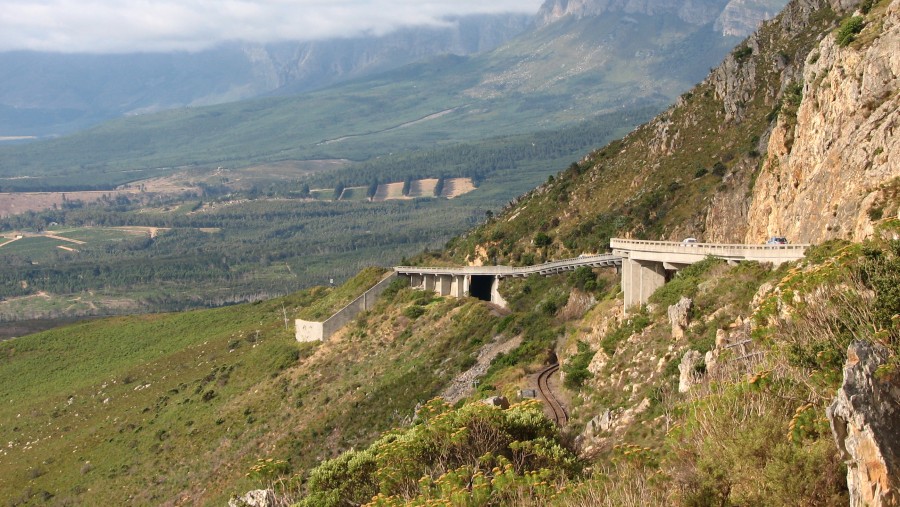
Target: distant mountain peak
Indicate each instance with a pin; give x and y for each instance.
(731, 17)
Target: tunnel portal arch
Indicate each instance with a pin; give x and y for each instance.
(480, 287)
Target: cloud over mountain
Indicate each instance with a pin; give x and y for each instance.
(123, 26)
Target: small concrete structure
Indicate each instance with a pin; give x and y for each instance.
(646, 265)
(309, 331)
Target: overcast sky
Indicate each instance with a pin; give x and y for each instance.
(118, 26)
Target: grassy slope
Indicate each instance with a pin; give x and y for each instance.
(752, 431)
(164, 407)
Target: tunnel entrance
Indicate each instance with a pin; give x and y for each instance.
(480, 287)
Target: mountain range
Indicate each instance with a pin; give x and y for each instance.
(44, 94)
(570, 66)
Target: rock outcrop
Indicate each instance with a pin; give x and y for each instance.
(255, 498)
(679, 316)
(730, 18)
(687, 370)
(828, 157)
(865, 420)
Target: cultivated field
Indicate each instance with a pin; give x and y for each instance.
(455, 187)
(22, 202)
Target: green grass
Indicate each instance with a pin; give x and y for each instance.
(94, 235)
(326, 302)
(147, 408)
(36, 248)
(357, 194)
(324, 194)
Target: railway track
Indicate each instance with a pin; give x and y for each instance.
(560, 416)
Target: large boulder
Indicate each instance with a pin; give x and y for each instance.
(865, 420)
(500, 402)
(256, 498)
(687, 370)
(679, 315)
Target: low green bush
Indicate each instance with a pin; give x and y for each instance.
(849, 28)
(576, 368)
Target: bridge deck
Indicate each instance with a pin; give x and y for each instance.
(548, 268)
(674, 252)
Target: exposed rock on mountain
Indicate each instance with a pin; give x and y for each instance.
(791, 126)
(865, 419)
(679, 316)
(736, 17)
(830, 157)
(308, 65)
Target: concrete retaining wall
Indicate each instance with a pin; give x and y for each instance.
(310, 331)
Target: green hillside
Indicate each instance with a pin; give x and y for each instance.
(144, 409)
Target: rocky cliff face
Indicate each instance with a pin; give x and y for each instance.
(734, 17)
(865, 420)
(307, 65)
(825, 164)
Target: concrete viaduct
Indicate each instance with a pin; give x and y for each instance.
(483, 282)
(647, 265)
(643, 265)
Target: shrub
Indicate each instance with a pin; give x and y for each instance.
(413, 312)
(542, 240)
(684, 284)
(576, 368)
(742, 52)
(719, 169)
(849, 28)
(472, 454)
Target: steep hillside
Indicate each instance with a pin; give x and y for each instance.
(833, 156)
(742, 384)
(730, 402)
(719, 164)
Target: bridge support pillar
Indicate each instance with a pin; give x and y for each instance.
(496, 298)
(416, 281)
(458, 286)
(444, 285)
(429, 282)
(640, 279)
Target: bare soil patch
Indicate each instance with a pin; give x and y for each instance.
(14, 203)
(455, 187)
(423, 188)
(390, 191)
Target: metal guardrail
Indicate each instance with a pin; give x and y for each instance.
(503, 271)
(715, 249)
(674, 246)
